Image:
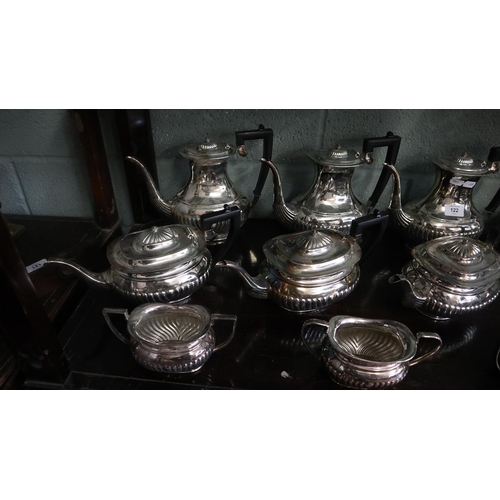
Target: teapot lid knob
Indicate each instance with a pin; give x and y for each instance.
(207, 145)
(338, 152)
(465, 159)
(207, 150)
(156, 235)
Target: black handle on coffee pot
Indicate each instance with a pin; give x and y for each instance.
(392, 142)
(494, 156)
(231, 213)
(267, 135)
(368, 230)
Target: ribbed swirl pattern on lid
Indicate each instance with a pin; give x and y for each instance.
(318, 253)
(313, 241)
(465, 251)
(156, 235)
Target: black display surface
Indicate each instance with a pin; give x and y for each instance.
(267, 351)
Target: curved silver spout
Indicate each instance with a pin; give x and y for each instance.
(401, 218)
(257, 287)
(89, 276)
(163, 206)
(283, 213)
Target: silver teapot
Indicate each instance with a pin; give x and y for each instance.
(159, 264)
(310, 270)
(330, 202)
(450, 276)
(209, 188)
(448, 209)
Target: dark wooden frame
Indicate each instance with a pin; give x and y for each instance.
(90, 133)
(24, 321)
(25, 324)
(136, 139)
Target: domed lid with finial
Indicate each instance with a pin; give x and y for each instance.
(464, 165)
(207, 150)
(459, 260)
(165, 249)
(337, 157)
(313, 253)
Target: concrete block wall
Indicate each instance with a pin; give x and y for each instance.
(425, 134)
(42, 170)
(42, 165)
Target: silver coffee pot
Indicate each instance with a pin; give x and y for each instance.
(209, 188)
(331, 203)
(448, 210)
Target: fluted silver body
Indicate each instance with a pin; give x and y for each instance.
(448, 209)
(161, 264)
(209, 189)
(329, 204)
(368, 353)
(450, 276)
(305, 271)
(169, 338)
